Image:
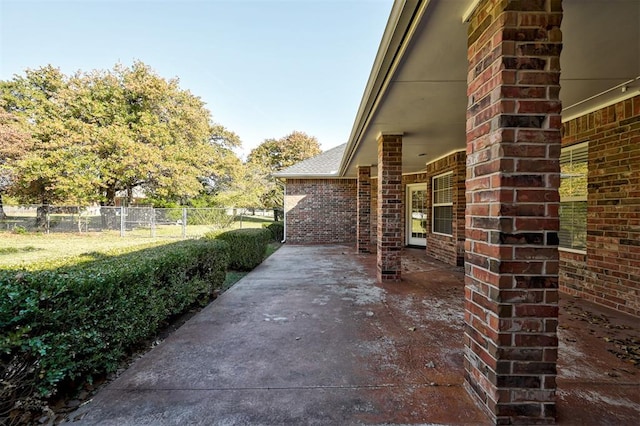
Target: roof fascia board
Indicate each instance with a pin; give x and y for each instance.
(455, 151)
(333, 177)
(628, 89)
(400, 27)
(466, 16)
(623, 97)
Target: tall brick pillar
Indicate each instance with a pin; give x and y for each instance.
(513, 146)
(390, 209)
(364, 210)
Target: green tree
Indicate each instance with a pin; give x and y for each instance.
(274, 155)
(102, 132)
(244, 187)
(225, 170)
(41, 175)
(151, 134)
(278, 154)
(15, 142)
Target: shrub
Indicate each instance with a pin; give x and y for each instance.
(70, 322)
(20, 230)
(247, 246)
(277, 230)
(216, 217)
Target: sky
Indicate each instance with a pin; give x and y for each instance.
(264, 68)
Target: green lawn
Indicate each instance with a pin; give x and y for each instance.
(22, 249)
(18, 249)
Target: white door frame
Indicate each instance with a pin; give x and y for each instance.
(409, 239)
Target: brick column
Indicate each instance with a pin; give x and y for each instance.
(390, 209)
(364, 210)
(513, 146)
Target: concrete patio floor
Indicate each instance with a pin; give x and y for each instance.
(309, 338)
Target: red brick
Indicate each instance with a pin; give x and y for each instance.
(521, 161)
(363, 236)
(390, 208)
(320, 211)
(613, 201)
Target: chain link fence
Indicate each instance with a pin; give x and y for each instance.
(182, 222)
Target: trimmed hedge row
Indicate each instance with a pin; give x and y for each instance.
(277, 230)
(247, 246)
(79, 320)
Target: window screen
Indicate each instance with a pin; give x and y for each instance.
(443, 204)
(573, 197)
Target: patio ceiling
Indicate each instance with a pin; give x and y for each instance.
(418, 83)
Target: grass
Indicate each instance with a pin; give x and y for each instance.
(14, 250)
(22, 248)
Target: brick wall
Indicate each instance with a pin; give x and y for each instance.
(321, 211)
(572, 272)
(511, 265)
(609, 273)
(364, 210)
(390, 208)
(374, 215)
(448, 249)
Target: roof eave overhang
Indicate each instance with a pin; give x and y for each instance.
(397, 33)
(310, 176)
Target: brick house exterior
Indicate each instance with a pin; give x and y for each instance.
(608, 271)
(447, 248)
(541, 192)
(320, 211)
(319, 206)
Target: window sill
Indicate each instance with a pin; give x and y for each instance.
(574, 251)
(442, 235)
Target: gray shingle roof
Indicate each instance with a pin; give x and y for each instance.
(326, 164)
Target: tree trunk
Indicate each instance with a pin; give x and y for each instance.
(111, 197)
(41, 216)
(275, 214)
(108, 214)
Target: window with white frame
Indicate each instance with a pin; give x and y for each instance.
(443, 204)
(573, 197)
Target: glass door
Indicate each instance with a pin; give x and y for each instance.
(417, 214)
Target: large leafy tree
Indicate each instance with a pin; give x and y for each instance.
(274, 155)
(44, 172)
(102, 132)
(145, 131)
(278, 154)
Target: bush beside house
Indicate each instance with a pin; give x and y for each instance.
(247, 246)
(277, 230)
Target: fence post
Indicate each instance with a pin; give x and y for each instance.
(184, 222)
(153, 222)
(122, 221)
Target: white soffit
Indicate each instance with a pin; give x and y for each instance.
(422, 90)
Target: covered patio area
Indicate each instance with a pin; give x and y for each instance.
(310, 337)
(502, 135)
